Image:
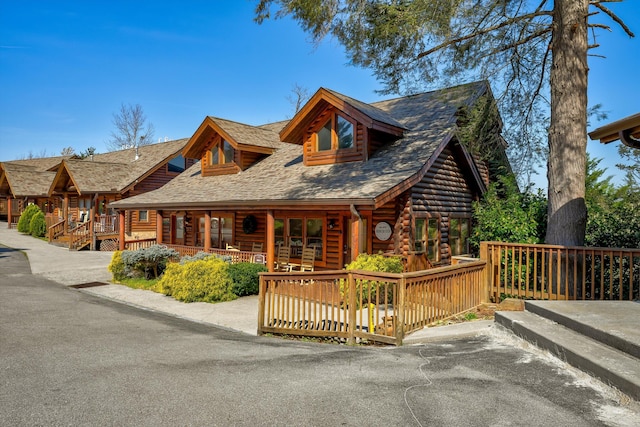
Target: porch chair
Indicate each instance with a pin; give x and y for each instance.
(308, 259)
(256, 247)
(232, 248)
(282, 262)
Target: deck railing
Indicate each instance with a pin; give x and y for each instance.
(80, 235)
(14, 222)
(561, 272)
(235, 255)
(106, 224)
(56, 230)
(133, 245)
(356, 304)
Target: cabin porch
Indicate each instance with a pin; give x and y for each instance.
(76, 233)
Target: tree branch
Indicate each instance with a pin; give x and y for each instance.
(615, 18)
(520, 41)
(485, 31)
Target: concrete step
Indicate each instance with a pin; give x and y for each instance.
(608, 364)
(612, 323)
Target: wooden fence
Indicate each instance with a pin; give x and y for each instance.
(234, 255)
(133, 245)
(550, 272)
(356, 304)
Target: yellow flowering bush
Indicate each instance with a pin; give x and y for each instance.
(201, 280)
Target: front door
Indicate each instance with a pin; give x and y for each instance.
(179, 229)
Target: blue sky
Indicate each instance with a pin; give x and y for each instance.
(67, 66)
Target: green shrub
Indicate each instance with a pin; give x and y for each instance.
(38, 224)
(117, 267)
(376, 262)
(506, 215)
(24, 223)
(148, 260)
(368, 291)
(245, 278)
(203, 280)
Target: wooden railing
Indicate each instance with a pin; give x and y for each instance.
(80, 236)
(560, 272)
(235, 255)
(132, 245)
(106, 224)
(14, 222)
(352, 305)
(440, 293)
(56, 230)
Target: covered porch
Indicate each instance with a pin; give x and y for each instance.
(80, 221)
(336, 236)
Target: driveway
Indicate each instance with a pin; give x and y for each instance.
(71, 358)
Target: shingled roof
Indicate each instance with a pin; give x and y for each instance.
(242, 136)
(42, 163)
(18, 179)
(281, 178)
(115, 171)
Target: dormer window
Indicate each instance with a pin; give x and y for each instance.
(336, 134)
(221, 153)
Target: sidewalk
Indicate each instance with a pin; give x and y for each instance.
(72, 268)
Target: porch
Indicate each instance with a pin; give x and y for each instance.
(100, 232)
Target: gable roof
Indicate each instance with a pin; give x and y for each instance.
(241, 136)
(368, 114)
(21, 180)
(42, 163)
(429, 120)
(115, 171)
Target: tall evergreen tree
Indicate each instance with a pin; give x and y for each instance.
(535, 52)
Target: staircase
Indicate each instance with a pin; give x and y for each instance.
(601, 338)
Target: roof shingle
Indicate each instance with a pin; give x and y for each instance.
(430, 120)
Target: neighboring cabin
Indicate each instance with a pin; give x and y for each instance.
(627, 130)
(344, 177)
(75, 191)
(23, 182)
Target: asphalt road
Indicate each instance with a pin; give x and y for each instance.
(70, 358)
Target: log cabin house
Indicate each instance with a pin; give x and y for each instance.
(342, 176)
(23, 182)
(79, 191)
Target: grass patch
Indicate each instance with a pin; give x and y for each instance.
(139, 283)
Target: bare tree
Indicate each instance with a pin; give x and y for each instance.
(299, 95)
(68, 151)
(32, 155)
(131, 128)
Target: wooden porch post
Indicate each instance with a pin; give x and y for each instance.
(159, 220)
(121, 238)
(92, 226)
(271, 240)
(486, 272)
(65, 212)
(355, 236)
(207, 231)
(10, 208)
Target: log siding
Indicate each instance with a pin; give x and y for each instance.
(444, 190)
